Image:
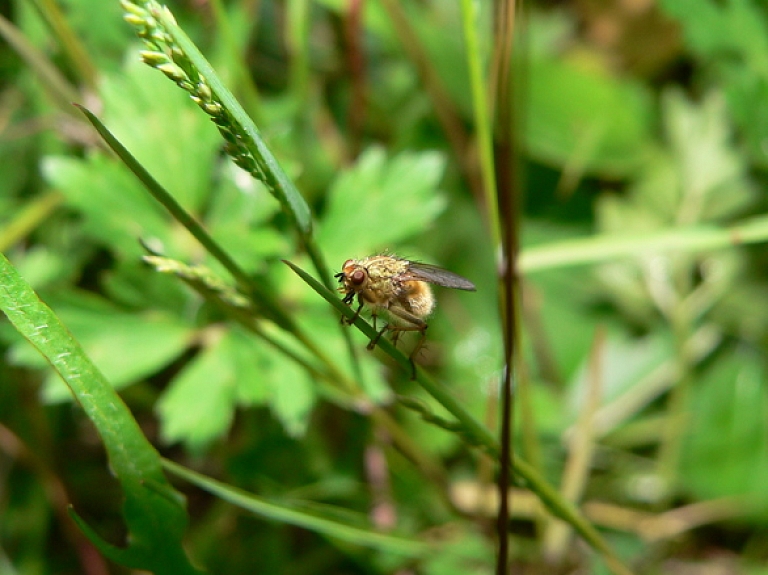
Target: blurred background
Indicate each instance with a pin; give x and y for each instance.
(643, 158)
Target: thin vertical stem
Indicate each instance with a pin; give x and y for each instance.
(353, 32)
(507, 186)
(480, 108)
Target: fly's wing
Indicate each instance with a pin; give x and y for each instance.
(435, 275)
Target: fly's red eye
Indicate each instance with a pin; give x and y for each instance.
(357, 277)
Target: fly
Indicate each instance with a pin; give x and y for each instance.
(397, 287)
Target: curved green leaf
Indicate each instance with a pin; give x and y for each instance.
(285, 514)
(156, 517)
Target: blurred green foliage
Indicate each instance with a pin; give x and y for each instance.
(642, 395)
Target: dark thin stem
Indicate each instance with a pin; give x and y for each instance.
(508, 192)
(353, 32)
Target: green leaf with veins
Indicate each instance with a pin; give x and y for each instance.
(117, 211)
(164, 130)
(379, 202)
(126, 347)
(199, 404)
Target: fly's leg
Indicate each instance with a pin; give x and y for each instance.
(420, 344)
(348, 300)
(396, 334)
(377, 337)
(351, 320)
(415, 324)
(416, 350)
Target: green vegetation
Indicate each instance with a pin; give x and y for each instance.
(177, 393)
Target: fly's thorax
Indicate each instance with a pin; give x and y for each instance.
(385, 285)
(375, 277)
(381, 268)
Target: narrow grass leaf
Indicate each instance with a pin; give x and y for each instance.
(608, 247)
(274, 177)
(283, 514)
(156, 518)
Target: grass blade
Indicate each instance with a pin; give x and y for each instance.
(284, 514)
(608, 247)
(155, 516)
(275, 178)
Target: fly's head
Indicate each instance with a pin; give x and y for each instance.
(353, 279)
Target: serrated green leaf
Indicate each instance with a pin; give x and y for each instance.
(262, 295)
(267, 378)
(237, 369)
(379, 202)
(164, 131)
(198, 406)
(117, 210)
